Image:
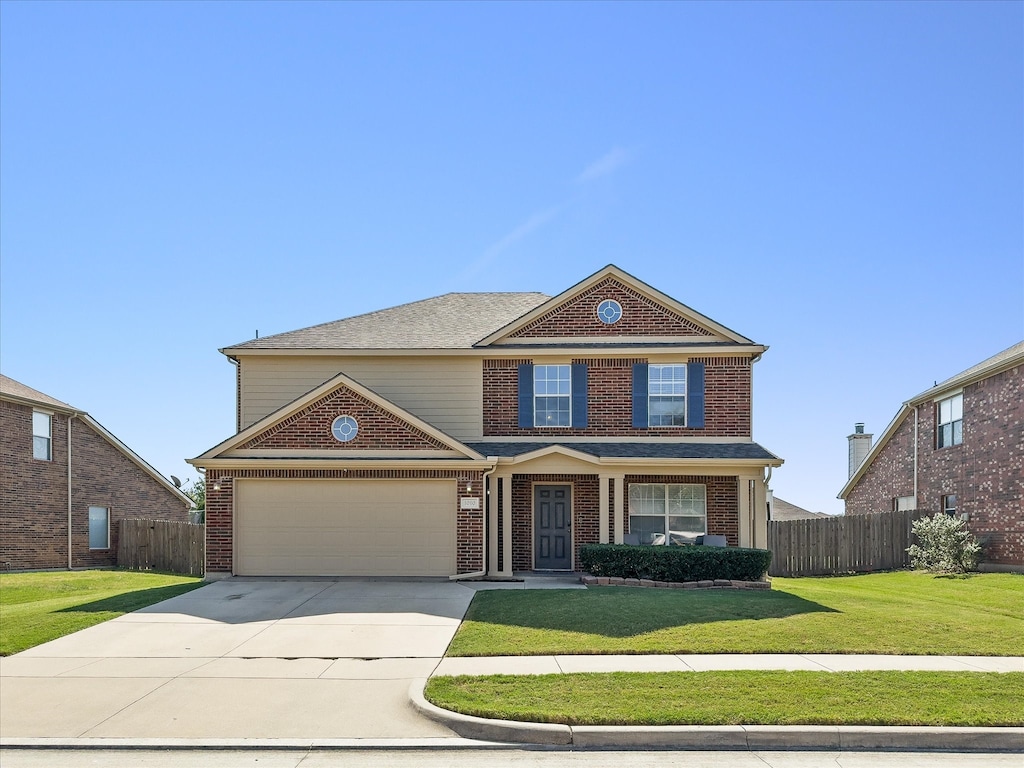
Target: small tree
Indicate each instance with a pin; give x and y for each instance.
(196, 491)
(945, 545)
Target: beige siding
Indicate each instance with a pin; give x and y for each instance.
(446, 392)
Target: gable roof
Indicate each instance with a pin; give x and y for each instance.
(1002, 361)
(341, 380)
(783, 510)
(17, 392)
(451, 321)
(612, 271)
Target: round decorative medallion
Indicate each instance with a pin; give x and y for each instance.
(344, 429)
(609, 311)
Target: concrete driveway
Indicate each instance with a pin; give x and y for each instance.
(243, 658)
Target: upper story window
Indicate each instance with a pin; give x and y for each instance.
(41, 436)
(552, 396)
(950, 427)
(666, 392)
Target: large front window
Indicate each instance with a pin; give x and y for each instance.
(950, 430)
(552, 396)
(666, 393)
(667, 513)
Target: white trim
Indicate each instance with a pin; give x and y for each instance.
(89, 531)
(675, 347)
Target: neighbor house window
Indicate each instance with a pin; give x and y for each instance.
(666, 395)
(667, 513)
(951, 421)
(41, 436)
(552, 396)
(99, 528)
(903, 503)
(949, 504)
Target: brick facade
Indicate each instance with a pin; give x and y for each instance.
(984, 472)
(640, 316)
(727, 400)
(220, 507)
(311, 428)
(34, 504)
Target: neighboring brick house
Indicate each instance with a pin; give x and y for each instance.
(67, 482)
(486, 433)
(958, 448)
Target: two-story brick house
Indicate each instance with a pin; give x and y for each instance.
(66, 484)
(958, 448)
(487, 433)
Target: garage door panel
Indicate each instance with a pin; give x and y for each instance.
(345, 527)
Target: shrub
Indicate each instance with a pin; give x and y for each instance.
(944, 545)
(675, 563)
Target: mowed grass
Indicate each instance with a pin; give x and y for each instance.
(902, 612)
(38, 607)
(741, 698)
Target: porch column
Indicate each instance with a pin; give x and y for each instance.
(760, 538)
(753, 531)
(620, 524)
(602, 505)
(506, 525)
(492, 525)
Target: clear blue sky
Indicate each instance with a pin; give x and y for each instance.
(841, 181)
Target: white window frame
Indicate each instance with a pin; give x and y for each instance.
(949, 421)
(106, 517)
(546, 382)
(673, 537)
(37, 436)
(660, 384)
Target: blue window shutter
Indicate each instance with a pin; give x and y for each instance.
(526, 395)
(695, 395)
(579, 395)
(640, 395)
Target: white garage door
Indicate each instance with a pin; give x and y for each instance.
(345, 527)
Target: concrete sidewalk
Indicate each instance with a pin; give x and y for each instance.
(810, 662)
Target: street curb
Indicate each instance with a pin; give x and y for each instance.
(726, 737)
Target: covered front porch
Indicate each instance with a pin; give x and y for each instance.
(544, 503)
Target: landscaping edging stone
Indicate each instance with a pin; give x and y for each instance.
(616, 581)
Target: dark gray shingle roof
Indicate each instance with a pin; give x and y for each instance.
(636, 450)
(452, 321)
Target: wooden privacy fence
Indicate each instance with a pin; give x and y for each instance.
(162, 545)
(824, 546)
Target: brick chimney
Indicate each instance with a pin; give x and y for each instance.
(860, 445)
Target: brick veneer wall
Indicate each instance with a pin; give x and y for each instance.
(311, 427)
(640, 316)
(33, 510)
(723, 510)
(220, 505)
(585, 515)
(985, 471)
(727, 399)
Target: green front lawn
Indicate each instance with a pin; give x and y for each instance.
(38, 607)
(891, 613)
(741, 698)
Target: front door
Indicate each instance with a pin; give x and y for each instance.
(552, 515)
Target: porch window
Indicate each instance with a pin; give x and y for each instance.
(667, 513)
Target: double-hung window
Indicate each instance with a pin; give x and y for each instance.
(950, 427)
(41, 436)
(666, 395)
(667, 513)
(552, 396)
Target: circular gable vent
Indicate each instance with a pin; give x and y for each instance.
(344, 429)
(609, 311)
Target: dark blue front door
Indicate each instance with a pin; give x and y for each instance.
(552, 514)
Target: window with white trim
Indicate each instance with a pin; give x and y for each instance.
(667, 513)
(552, 396)
(41, 436)
(950, 427)
(99, 527)
(666, 395)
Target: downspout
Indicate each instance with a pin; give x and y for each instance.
(71, 417)
(486, 513)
